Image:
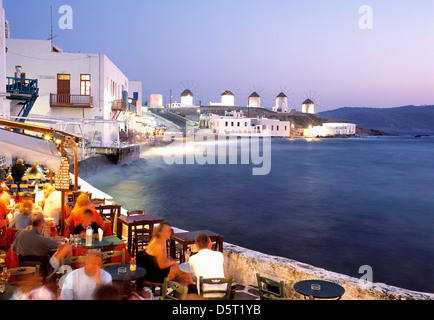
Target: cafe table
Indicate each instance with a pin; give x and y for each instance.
(128, 275)
(188, 238)
(96, 244)
(326, 289)
(185, 266)
(129, 222)
(9, 291)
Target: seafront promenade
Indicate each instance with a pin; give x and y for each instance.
(243, 264)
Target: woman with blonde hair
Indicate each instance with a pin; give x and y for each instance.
(156, 262)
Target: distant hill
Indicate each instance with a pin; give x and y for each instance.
(400, 119)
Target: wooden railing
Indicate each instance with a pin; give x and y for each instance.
(71, 100)
(119, 105)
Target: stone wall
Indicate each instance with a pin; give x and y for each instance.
(243, 264)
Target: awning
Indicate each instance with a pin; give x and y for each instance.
(30, 149)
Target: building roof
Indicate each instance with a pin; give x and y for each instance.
(186, 92)
(227, 93)
(308, 101)
(281, 95)
(254, 95)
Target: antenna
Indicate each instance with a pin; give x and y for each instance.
(51, 23)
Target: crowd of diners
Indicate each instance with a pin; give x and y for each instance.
(33, 217)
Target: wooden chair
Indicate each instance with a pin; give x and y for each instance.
(25, 270)
(153, 285)
(218, 294)
(74, 261)
(269, 288)
(97, 201)
(33, 261)
(176, 288)
(141, 235)
(111, 254)
(109, 212)
(135, 212)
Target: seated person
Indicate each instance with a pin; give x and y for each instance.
(3, 212)
(81, 283)
(82, 204)
(33, 173)
(206, 262)
(22, 219)
(53, 207)
(4, 192)
(32, 242)
(87, 220)
(156, 262)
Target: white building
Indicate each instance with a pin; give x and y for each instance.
(254, 100)
(281, 103)
(72, 85)
(308, 106)
(235, 123)
(330, 130)
(186, 98)
(4, 103)
(227, 98)
(156, 100)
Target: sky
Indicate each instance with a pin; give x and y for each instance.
(318, 49)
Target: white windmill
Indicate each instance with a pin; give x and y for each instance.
(308, 104)
(187, 90)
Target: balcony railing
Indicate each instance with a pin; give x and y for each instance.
(119, 105)
(22, 85)
(71, 100)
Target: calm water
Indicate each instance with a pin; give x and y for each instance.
(333, 203)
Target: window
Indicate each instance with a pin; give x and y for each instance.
(238, 124)
(277, 128)
(63, 77)
(245, 124)
(85, 84)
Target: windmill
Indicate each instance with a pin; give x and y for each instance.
(228, 95)
(282, 104)
(309, 99)
(256, 97)
(188, 90)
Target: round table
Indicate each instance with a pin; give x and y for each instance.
(9, 291)
(185, 266)
(128, 275)
(328, 290)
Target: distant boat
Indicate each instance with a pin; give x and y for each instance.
(421, 135)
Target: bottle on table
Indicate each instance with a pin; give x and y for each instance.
(133, 264)
(89, 234)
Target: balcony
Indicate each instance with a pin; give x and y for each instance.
(119, 105)
(71, 100)
(22, 86)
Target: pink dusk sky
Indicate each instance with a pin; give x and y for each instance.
(310, 49)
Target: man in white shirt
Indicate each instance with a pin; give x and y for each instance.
(206, 263)
(81, 283)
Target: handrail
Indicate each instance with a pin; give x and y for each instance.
(22, 85)
(71, 100)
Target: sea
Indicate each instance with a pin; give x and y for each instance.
(336, 203)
